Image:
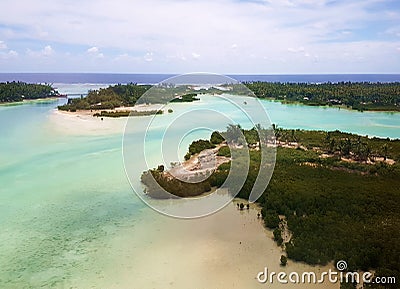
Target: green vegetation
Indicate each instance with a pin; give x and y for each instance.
(326, 207)
(127, 113)
(283, 260)
(190, 97)
(224, 151)
(336, 214)
(271, 220)
(19, 91)
(121, 95)
(157, 181)
(278, 236)
(335, 209)
(340, 144)
(216, 138)
(107, 98)
(356, 95)
(198, 146)
(235, 134)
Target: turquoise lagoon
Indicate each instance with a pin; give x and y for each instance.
(63, 196)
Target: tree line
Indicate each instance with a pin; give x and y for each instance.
(335, 214)
(122, 95)
(107, 98)
(356, 95)
(18, 91)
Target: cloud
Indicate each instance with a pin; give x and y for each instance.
(95, 52)
(300, 3)
(296, 50)
(231, 36)
(149, 56)
(195, 55)
(123, 56)
(47, 51)
(11, 54)
(3, 45)
(5, 53)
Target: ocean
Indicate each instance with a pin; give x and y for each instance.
(106, 78)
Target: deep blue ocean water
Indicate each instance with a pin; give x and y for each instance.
(105, 78)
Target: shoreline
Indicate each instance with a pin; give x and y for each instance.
(338, 107)
(138, 108)
(224, 250)
(70, 123)
(82, 122)
(28, 101)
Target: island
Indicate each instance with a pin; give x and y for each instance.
(361, 96)
(354, 95)
(20, 91)
(120, 100)
(186, 180)
(333, 195)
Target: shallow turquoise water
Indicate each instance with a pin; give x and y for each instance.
(61, 195)
(58, 194)
(381, 124)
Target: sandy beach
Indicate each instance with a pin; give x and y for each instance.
(224, 250)
(82, 122)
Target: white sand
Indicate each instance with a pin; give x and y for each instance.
(224, 250)
(141, 107)
(84, 124)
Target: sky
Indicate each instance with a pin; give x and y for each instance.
(218, 36)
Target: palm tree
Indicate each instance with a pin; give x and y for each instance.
(234, 134)
(293, 135)
(385, 151)
(345, 147)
